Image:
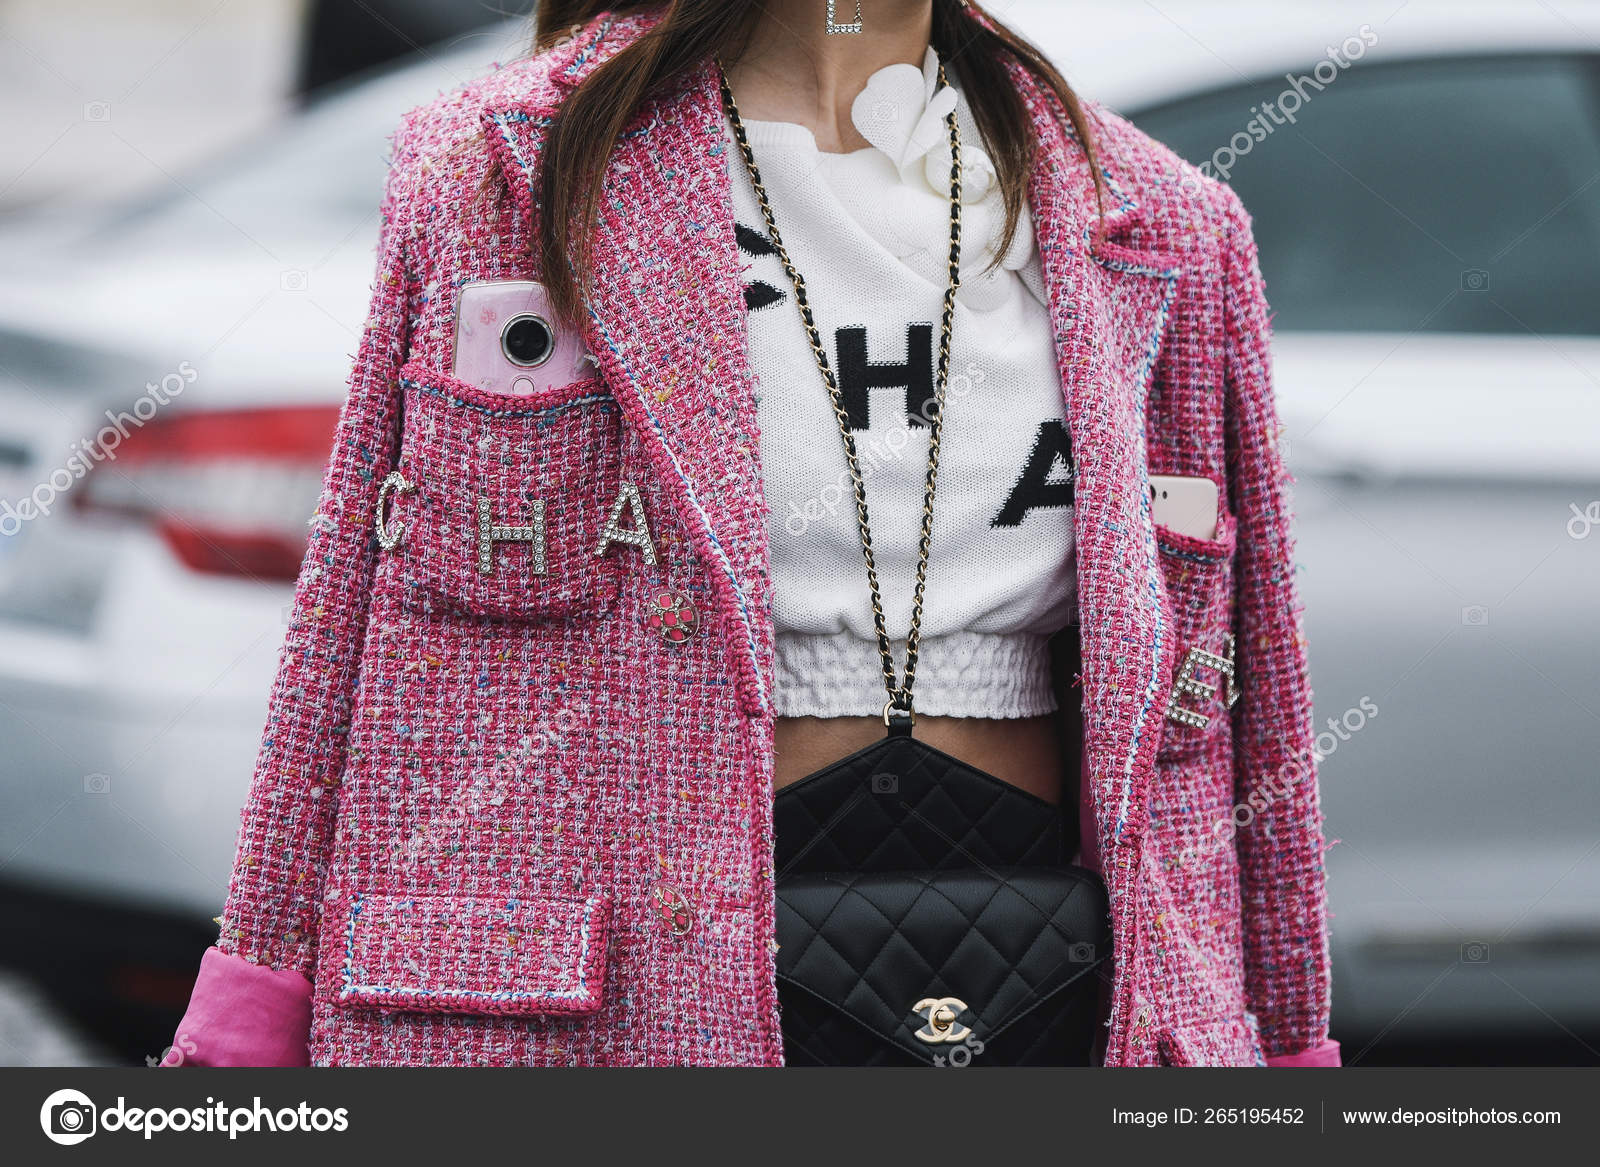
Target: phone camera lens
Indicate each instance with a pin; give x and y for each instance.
(527, 340)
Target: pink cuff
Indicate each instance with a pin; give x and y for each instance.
(1324, 1055)
(243, 1014)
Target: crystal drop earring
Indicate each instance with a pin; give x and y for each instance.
(835, 28)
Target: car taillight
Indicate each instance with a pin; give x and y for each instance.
(231, 491)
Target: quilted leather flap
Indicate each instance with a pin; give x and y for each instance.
(1001, 942)
(450, 954)
(901, 805)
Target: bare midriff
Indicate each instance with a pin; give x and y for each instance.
(1026, 752)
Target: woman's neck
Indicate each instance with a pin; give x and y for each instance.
(793, 70)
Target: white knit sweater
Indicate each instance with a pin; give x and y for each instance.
(869, 231)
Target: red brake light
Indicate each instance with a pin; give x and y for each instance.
(231, 491)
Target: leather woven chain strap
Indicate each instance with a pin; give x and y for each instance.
(899, 704)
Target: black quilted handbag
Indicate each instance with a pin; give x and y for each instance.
(927, 916)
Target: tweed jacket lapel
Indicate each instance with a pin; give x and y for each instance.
(1109, 304)
(667, 323)
(666, 265)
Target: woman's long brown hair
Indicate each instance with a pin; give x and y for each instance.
(586, 128)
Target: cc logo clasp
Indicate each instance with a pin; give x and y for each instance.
(939, 1020)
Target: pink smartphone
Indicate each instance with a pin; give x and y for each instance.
(507, 341)
(1184, 504)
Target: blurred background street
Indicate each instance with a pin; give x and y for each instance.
(188, 208)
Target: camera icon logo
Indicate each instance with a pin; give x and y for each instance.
(1584, 521)
(293, 279)
(1474, 279)
(884, 110)
(884, 782)
(68, 1117)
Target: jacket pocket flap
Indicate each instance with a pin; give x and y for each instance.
(1198, 574)
(448, 954)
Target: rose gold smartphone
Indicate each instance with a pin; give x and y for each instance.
(1184, 504)
(507, 341)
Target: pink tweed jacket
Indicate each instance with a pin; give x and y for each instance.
(511, 817)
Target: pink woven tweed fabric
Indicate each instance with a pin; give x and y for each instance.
(500, 819)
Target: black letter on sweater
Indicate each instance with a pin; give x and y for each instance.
(857, 374)
(1035, 488)
(752, 242)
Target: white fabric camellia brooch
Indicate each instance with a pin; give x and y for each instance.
(902, 112)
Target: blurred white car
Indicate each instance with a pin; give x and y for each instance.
(1426, 193)
(142, 603)
(1429, 222)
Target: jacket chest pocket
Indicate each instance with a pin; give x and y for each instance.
(499, 504)
(1199, 582)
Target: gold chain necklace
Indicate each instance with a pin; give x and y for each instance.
(899, 704)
